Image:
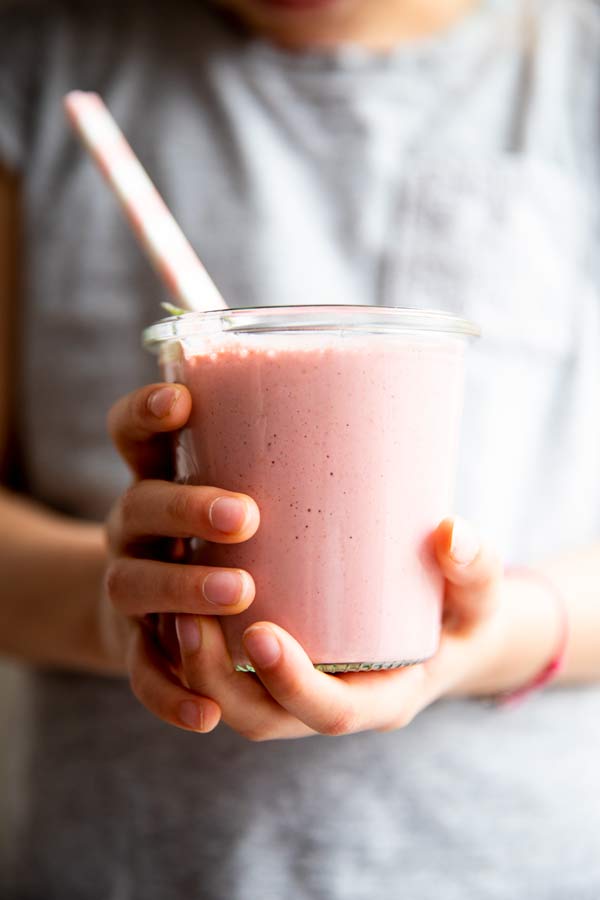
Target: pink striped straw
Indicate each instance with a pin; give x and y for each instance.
(156, 229)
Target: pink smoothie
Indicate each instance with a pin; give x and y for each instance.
(348, 445)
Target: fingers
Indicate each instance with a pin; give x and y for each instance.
(141, 423)
(162, 694)
(246, 706)
(329, 704)
(473, 573)
(293, 699)
(384, 700)
(162, 509)
(138, 587)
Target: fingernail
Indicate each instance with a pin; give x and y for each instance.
(262, 646)
(227, 514)
(465, 544)
(223, 588)
(188, 634)
(161, 402)
(190, 714)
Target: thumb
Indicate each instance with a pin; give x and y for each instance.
(473, 574)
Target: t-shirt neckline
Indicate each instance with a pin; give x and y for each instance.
(355, 59)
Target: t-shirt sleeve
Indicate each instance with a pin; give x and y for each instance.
(21, 30)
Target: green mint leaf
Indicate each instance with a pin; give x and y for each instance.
(173, 310)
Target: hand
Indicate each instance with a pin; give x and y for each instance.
(142, 591)
(289, 698)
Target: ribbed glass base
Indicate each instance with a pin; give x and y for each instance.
(338, 668)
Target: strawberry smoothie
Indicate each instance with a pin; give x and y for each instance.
(347, 441)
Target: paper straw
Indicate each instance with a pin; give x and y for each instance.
(156, 229)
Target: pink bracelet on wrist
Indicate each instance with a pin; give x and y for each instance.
(556, 663)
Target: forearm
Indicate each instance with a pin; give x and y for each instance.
(52, 572)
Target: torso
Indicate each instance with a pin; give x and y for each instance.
(456, 175)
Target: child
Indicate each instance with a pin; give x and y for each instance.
(416, 153)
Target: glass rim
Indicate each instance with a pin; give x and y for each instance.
(310, 318)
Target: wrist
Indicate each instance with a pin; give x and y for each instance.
(100, 640)
(553, 666)
(87, 639)
(73, 636)
(522, 639)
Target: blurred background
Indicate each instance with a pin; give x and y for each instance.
(13, 716)
(12, 726)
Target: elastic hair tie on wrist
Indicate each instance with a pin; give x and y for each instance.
(552, 668)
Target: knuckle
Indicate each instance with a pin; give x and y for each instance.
(257, 733)
(343, 722)
(128, 505)
(115, 416)
(142, 685)
(113, 581)
(137, 408)
(141, 690)
(291, 692)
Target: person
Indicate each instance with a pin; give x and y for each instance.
(424, 153)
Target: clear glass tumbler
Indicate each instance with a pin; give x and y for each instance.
(342, 423)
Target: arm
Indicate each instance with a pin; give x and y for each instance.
(60, 574)
(529, 623)
(39, 548)
(52, 570)
(499, 632)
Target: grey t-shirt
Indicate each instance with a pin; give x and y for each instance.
(458, 173)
